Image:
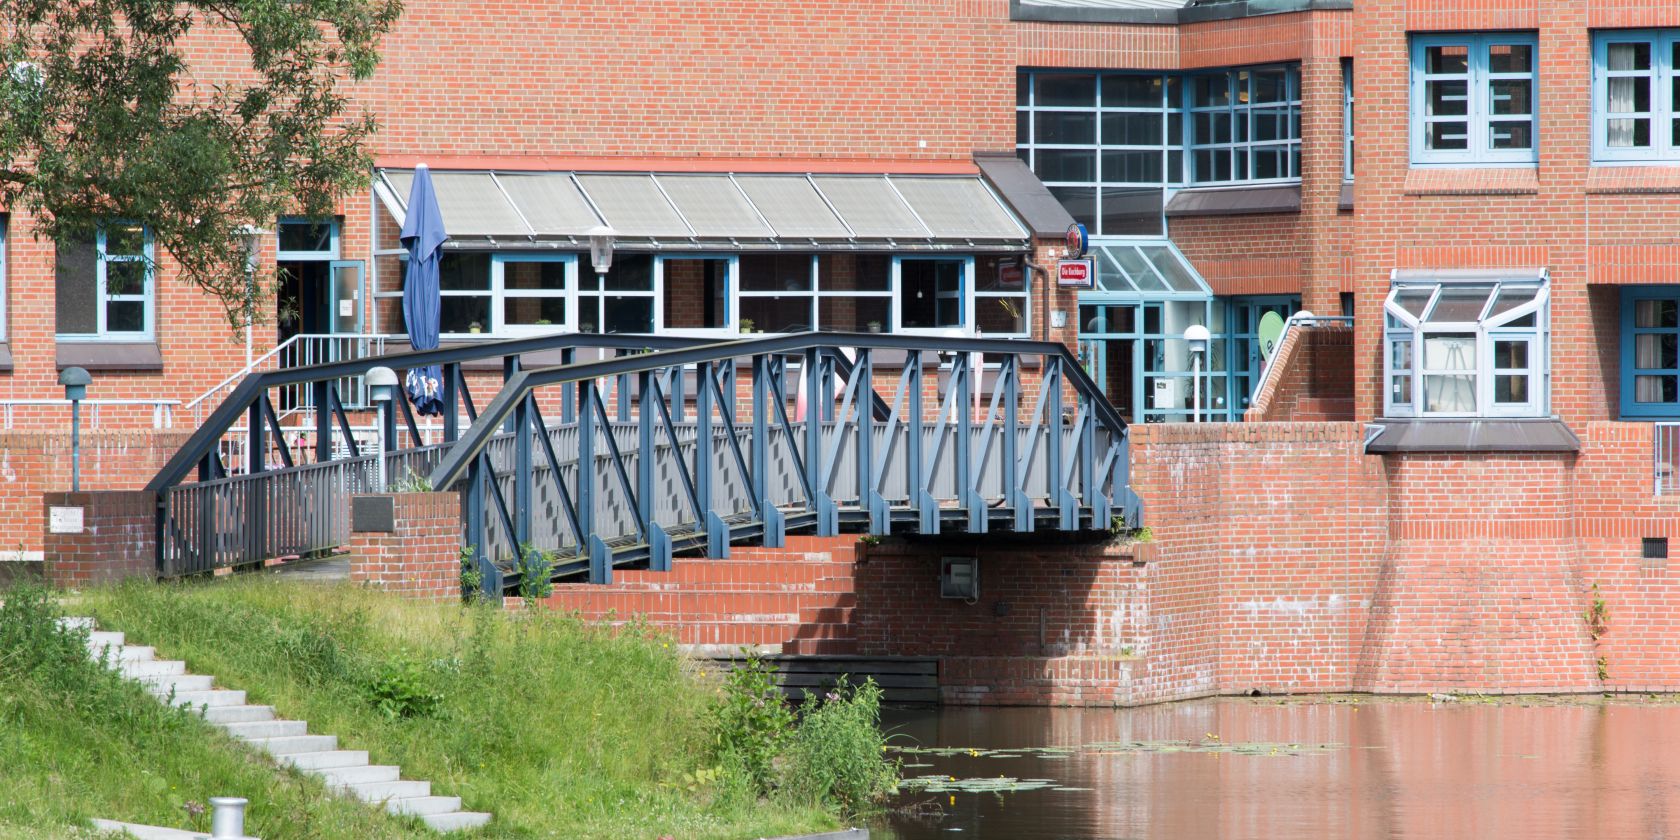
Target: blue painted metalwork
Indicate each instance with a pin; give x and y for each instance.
(602, 491)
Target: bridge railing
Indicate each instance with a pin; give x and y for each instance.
(243, 513)
(941, 448)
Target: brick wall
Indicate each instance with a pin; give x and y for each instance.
(1312, 378)
(36, 463)
(117, 540)
(419, 556)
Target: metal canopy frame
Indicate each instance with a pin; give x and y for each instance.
(718, 210)
(1144, 270)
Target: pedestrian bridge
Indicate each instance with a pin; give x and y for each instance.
(633, 450)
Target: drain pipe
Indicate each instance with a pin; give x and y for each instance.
(227, 817)
(1044, 313)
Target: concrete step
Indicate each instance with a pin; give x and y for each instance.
(210, 698)
(384, 791)
(420, 805)
(76, 622)
(293, 744)
(252, 730)
(152, 668)
(341, 776)
(238, 714)
(825, 615)
(136, 653)
(162, 684)
(104, 638)
(325, 759)
(820, 646)
(455, 820)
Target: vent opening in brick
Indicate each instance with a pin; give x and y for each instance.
(1654, 548)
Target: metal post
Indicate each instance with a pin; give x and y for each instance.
(75, 446)
(868, 490)
(717, 531)
(451, 403)
(913, 467)
(966, 494)
(323, 423)
(763, 393)
(659, 545)
(600, 567)
(522, 474)
(227, 817)
(828, 518)
(568, 399)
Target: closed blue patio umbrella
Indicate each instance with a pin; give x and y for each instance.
(423, 235)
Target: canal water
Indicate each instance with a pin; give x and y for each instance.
(1331, 767)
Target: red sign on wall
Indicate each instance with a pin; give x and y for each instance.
(1074, 273)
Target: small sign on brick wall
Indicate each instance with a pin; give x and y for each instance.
(64, 520)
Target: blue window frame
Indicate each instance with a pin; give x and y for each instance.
(1245, 126)
(1650, 347)
(300, 238)
(1473, 99)
(1636, 104)
(104, 286)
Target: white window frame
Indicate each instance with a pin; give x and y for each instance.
(1479, 115)
(732, 284)
(332, 253)
(1662, 115)
(103, 297)
(1024, 294)
(499, 293)
(964, 296)
(1401, 325)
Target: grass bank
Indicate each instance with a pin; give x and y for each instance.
(559, 728)
(77, 742)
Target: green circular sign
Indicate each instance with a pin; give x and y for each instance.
(1271, 329)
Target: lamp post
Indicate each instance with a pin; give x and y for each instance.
(382, 381)
(1197, 337)
(600, 257)
(251, 238)
(75, 381)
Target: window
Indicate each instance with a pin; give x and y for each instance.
(1347, 120)
(104, 283)
(1459, 347)
(465, 297)
(1473, 99)
(1107, 145)
(697, 292)
(1650, 351)
(1000, 296)
(930, 293)
(306, 239)
(1245, 125)
(532, 290)
(1636, 99)
(625, 304)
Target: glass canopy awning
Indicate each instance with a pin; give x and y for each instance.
(1152, 269)
(715, 211)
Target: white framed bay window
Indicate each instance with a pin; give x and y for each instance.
(1470, 344)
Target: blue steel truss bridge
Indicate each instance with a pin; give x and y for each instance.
(631, 450)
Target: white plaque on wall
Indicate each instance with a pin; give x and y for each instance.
(64, 520)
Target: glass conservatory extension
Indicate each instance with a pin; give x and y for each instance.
(1131, 333)
(1466, 344)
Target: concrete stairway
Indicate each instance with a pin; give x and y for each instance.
(287, 741)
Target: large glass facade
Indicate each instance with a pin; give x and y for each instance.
(1113, 146)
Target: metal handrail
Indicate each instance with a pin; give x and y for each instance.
(517, 387)
(1299, 319)
(246, 394)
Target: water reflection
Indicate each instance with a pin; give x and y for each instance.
(1398, 769)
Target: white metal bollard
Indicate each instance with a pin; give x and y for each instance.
(227, 817)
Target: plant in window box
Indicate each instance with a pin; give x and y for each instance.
(746, 325)
(544, 322)
(475, 327)
(874, 326)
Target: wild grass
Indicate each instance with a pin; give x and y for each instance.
(77, 742)
(559, 728)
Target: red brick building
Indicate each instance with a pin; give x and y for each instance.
(1485, 188)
